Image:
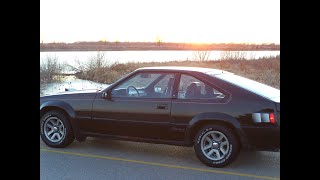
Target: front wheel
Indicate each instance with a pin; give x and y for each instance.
(216, 146)
(55, 129)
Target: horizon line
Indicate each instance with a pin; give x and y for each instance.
(199, 43)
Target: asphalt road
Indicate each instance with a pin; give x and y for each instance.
(98, 158)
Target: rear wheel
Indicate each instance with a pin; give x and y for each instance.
(55, 129)
(216, 146)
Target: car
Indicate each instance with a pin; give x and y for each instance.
(217, 112)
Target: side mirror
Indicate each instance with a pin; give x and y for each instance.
(106, 95)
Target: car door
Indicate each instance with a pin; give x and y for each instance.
(139, 107)
(194, 96)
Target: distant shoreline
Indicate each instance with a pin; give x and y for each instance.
(73, 50)
(153, 46)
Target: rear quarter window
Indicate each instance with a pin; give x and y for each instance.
(251, 85)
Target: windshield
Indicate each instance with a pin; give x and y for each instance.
(253, 86)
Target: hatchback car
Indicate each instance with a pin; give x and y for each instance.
(217, 112)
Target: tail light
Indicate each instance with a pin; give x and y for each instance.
(271, 118)
(263, 118)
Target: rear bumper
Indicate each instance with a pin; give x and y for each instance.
(262, 138)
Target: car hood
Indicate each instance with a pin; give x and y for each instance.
(72, 94)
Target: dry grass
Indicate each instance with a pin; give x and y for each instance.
(265, 70)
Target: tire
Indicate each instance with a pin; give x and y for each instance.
(56, 130)
(223, 149)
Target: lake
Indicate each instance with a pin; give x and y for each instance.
(145, 56)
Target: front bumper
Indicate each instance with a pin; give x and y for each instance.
(262, 138)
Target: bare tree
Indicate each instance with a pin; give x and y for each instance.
(97, 61)
(94, 68)
(233, 55)
(49, 67)
(158, 40)
(201, 55)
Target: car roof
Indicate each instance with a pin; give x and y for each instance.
(182, 68)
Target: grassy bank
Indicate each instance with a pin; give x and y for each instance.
(265, 70)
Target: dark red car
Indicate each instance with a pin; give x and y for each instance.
(217, 112)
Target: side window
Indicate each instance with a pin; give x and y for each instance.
(192, 88)
(146, 85)
(164, 86)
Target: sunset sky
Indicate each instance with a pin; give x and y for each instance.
(196, 21)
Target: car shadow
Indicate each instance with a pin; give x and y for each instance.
(177, 155)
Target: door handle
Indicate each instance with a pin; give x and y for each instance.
(162, 106)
